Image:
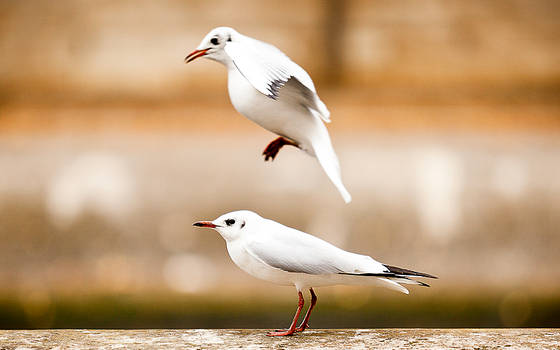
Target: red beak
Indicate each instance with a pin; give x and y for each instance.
(204, 224)
(195, 54)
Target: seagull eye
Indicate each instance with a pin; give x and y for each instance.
(230, 222)
(214, 41)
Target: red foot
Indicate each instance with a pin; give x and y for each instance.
(274, 147)
(281, 334)
(292, 329)
(304, 324)
(301, 328)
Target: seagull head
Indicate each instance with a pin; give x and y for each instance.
(232, 225)
(212, 46)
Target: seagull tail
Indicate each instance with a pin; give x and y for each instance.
(405, 280)
(395, 277)
(327, 158)
(402, 276)
(394, 285)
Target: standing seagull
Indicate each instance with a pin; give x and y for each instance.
(271, 90)
(282, 255)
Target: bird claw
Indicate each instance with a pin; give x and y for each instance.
(269, 155)
(298, 329)
(274, 147)
(281, 333)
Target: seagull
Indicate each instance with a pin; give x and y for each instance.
(273, 252)
(268, 88)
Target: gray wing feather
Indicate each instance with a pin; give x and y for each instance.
(270, 71)
(291, 250)
(300, 259)
(296, 262)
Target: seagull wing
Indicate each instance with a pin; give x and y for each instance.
(291, 250)
(292, 259)
(270, 71)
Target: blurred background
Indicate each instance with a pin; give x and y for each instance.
(446, 120)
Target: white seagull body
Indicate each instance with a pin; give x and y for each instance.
(283, 255)
(273, 91)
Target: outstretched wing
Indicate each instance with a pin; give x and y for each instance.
(269, 71)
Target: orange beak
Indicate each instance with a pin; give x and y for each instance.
(204, 224)
(195, 54)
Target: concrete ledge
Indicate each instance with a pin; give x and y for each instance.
(251, 338)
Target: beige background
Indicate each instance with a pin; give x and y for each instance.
(445, 119)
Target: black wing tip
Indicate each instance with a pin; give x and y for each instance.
(274, 88)
(273, 96)
(406, 272)
(422, 284)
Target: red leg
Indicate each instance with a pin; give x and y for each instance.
(292, 329)
(274, 147)
(304, 324)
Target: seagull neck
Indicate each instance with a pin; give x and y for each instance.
(229, 64)
(226, 236)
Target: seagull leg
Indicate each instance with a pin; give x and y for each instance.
(274, 147)
(292, 329)
(304, 324)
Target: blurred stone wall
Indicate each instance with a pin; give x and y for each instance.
(65, 51)
(116, 215)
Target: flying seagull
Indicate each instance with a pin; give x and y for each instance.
(270, 89)
(271, 251)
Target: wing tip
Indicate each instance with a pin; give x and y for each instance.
(405, 272)
(274, 88)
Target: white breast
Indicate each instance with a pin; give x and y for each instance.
(251, 103)
(278, 116)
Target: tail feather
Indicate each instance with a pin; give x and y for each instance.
(394, 285)
(390, 276)
(396, 275)
(405, 280)
(329, 162)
